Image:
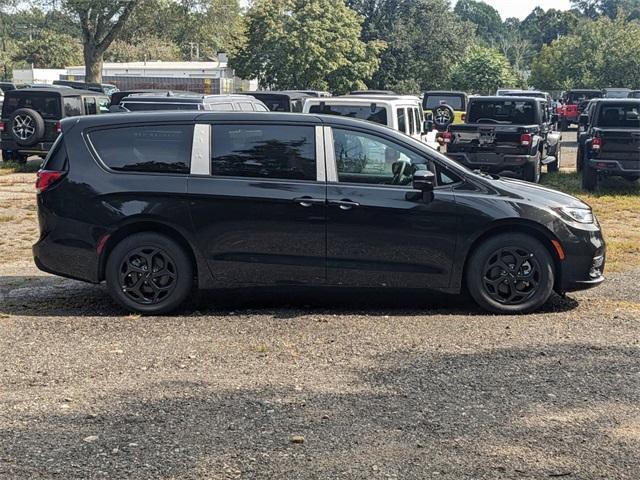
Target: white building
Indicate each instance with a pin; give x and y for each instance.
(37, 75)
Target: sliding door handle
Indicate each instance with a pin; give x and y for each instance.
(344, 204)
(307, 202)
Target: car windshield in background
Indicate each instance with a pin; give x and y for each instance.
(434, 101)
(617, 93)
(525, 94)
(372, 113)
(46, 105)
(579, 97)
(506, 112)
(634, 94)
(145, 106)
(620, 116)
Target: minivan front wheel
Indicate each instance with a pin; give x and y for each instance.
(149, 273)
(510, 273)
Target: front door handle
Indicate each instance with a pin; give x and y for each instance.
(307, 202)
(344, 204)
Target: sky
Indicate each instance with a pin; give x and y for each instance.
(521, 8)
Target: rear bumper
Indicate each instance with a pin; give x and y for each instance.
(40, 148)
(623, 168)
(492, 162)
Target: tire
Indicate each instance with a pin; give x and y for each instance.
(26, 126)
(589, 176)
(564, 125)
(443, 116)
(135, 288)
(15, 157)
(499, 286)
(531, 171)
(555, 166)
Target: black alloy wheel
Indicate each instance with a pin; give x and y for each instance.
(511, 275)
(149, 273)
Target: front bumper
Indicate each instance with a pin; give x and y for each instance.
(584, 265)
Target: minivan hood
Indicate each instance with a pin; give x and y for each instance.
(536, 194)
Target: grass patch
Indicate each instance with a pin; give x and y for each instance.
(32, 166)
(6, 218)
(617, 205)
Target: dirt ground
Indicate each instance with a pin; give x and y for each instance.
(354, 385)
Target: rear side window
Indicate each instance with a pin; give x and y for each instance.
(148, 149)
(57, 157)
(72, 106)
(221, 107)
(402, 120)
(246, 107)
(90, 106)
(412, 122)
(46, 105)
(264, 151)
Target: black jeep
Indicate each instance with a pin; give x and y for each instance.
(506, 135)
(31, 118)
(611, 142)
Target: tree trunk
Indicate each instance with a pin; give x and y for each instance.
(93, 64)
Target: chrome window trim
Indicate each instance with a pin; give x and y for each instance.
(321, 170)
(201, 150)
(330, 156)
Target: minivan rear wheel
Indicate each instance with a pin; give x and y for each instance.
(510, 274)
(149, 273)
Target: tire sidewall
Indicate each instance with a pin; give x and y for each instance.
(169, 247)
(452, 116)
(479, 258)
(38, 122)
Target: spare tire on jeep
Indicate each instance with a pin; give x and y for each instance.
(26, 126)
(443, 116)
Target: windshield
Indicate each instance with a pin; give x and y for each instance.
(579, 97)
(44, 103)
(434, 101)
(502, 111)
(620, 115)
(144, 106)
(373, 112)
(623, 93)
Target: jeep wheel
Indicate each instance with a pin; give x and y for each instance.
(443, 116)
(564, 125)
(26, 126)
(531, 171)
(589, 175)
(510, 274)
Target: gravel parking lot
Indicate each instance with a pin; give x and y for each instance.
(302, 384)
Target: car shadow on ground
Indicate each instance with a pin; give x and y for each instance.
(50, 296)
(538, 411)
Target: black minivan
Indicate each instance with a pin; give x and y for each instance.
(158, 204)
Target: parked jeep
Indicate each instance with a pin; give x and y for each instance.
(573, 104)
(444, 108)
(31, 118)
(506, 135)
(583, 127)
(612, 143)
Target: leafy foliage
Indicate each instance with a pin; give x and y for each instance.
(602, 53)
(146, 48)
(487, 20)
(306, 44)
(51, 50)
(483, 70)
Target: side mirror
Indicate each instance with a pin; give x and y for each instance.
(427, 127)
(584, 120)
(424, 180)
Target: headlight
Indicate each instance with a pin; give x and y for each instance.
(577, 214)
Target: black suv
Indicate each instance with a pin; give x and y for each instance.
(31, 118)
(611, 142)
(159, 203)
(139, 102)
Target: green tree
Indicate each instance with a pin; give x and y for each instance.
(542, 27)
(51, 50)
(145, 48)
(101, 21)
(424, 41)
(483, 70)
(601, 54)
(610, 8)
(487, 20)
(306, 44)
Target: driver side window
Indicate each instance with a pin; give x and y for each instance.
(364, 158)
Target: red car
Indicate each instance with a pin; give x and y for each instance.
(573, 104)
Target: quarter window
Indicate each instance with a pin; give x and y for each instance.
(402, 120)
(72, 106)
(149, 149)
(264, 151)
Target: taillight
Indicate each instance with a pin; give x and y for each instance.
(596, 143)
(58, 127)
(463, 117)
(525, 139)
(46, 179)
(446, 137)
(1, 126)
